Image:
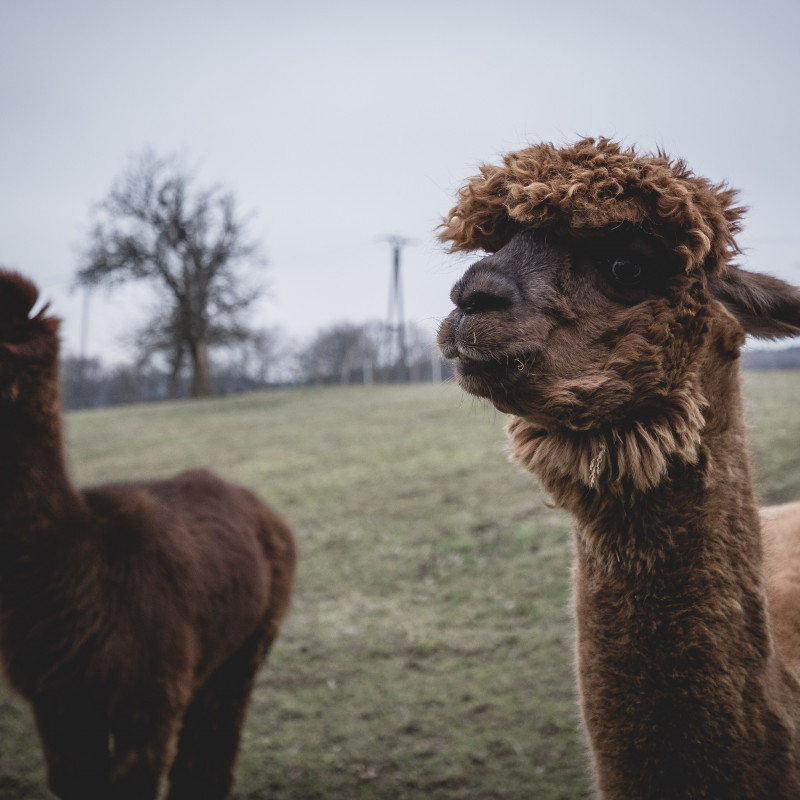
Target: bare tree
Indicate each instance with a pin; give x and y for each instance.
(264, 358)
(154, 226)
(333, 354)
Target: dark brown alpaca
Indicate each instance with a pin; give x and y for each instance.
(133, 616)
(607, 320)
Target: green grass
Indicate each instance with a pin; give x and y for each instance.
(428, 653)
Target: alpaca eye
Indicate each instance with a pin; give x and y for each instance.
(625, 272)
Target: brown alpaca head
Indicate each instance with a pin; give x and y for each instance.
(608, 294)
(28, 344)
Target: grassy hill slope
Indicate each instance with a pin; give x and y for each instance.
(429, 649)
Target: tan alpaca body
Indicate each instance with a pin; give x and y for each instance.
(133, 616)
(781, 535)
(607, 320)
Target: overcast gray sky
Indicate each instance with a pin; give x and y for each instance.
(338, 123)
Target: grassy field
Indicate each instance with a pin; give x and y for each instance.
(428, 653)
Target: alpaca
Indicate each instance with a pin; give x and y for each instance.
(133, 616)
(607, 320)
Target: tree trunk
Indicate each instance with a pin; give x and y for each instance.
(201, 370)
(172, 383)
(347, 362)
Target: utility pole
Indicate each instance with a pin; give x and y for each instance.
(396, 326)
(83, 383)
(85, 323)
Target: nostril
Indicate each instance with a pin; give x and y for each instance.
(483, 302)
(482, 290)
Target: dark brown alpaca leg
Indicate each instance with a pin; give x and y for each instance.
(74, 738)
(141, 742)
(209, 740)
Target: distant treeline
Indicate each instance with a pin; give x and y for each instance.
(339, 355)
(787, 358)
(266, 359)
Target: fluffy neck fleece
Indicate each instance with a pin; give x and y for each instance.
(683, 695)
(630, 456)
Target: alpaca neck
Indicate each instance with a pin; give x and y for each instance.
(35, 490)
(682, 690)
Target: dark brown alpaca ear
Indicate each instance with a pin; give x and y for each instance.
(766, 307)
(22, 336)
(17, 297)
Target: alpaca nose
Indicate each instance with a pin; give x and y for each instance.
(479, 293)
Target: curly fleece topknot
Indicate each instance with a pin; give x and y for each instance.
(591, 186)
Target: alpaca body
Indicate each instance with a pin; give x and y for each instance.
(124, 568)
(780, 527)
(682, 689)
(671, 708)
(133, 616)
(607, 320)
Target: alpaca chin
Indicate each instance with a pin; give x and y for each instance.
(493, 380)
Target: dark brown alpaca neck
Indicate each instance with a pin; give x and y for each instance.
(683, 695)
(48, 549)
(36, 495)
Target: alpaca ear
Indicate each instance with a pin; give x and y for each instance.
(766, 307)
(17, 297)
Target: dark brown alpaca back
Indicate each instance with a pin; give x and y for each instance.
(134, 614)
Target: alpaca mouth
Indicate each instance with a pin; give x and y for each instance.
(484, 374)
(472, 356)
(463, 352)
(510, 365)
(484, 365)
